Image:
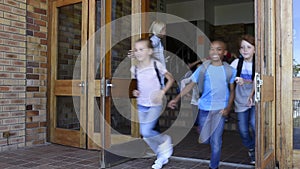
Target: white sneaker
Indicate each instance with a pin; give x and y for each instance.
(158, 164)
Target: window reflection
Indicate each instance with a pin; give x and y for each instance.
(296, 72)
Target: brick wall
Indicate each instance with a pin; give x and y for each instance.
(12, 73)
(36, 72)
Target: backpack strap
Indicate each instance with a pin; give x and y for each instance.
(205, 65)
(158, 75)
(239, 66)
(201, 75)
(228, 71)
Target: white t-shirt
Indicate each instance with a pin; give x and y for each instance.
(148, 83)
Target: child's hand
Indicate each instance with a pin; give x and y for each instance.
(172, 104)
(250, 101)
(135, 93)
(130, 54)
(239, 80)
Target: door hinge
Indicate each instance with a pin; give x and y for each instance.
(258, 84)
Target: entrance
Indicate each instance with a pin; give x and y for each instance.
(82, 78)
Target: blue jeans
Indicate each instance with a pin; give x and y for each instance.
(148, 117)
(246, 120)
(213, 121)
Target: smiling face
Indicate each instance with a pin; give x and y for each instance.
(247, 50)
(142, 50)
(217, 51)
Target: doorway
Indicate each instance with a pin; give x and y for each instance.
(90, 90)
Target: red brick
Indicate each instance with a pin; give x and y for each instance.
(40, 34)
(19, 11)
(17, 126)
(32, 113)
(33, 15)
(4, 75)
(18, 63)
(3, 128)
(4, 35)
(5, 48)
(11, 56)
(5, 8)
(10, 95)
(18, 24)
(18, 101)
(11, 29)
(44, 42)
(10, 16)
(40, 11)
(44, 65)
(33, 3)
(3, 102)
(18, 114)
(44, 17)
(32, 125)
(11, 43)
(18, 89)
(4, 62)
(11, 69)
(19, 37)
(40, 22)
(10, 121)
(4, 88)
(4, 115)
(12, 3)
(33, 27)
(19, 76)
(32, 89)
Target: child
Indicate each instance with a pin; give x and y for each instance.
(216, 100)
(244, 93)
(158, 31)
(149, 99)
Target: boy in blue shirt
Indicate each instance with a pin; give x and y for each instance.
(216, 100)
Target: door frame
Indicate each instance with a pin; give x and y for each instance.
(66, 87)
(265, 66)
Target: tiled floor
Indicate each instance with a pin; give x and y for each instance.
(53, 156)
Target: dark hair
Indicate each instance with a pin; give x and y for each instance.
(148, 41)
(249, 38)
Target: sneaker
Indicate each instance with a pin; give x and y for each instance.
(159, 163)
(251, 154)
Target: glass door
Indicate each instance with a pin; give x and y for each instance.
(265, 84)
(68, 73)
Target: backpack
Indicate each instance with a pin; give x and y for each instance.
(240, 66)
(157, 74)
(205, 65)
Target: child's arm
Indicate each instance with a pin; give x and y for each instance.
(172, 104)
(227, 110)
(169, 83)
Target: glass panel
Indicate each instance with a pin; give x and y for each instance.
(268, 126)
(97, 40)
(68, 112)
(69, 41)
(121, 43)
(97, 115)
(296, 124)
(296, 72)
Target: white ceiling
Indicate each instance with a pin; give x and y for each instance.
(216, 2)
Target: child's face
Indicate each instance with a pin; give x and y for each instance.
(247, 50)
(142, 51)
(217, 51)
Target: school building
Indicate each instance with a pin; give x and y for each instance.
(64, 71)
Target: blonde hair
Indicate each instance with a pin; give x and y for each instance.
(156, 27)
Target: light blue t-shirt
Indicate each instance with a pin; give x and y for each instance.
(215, 95)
